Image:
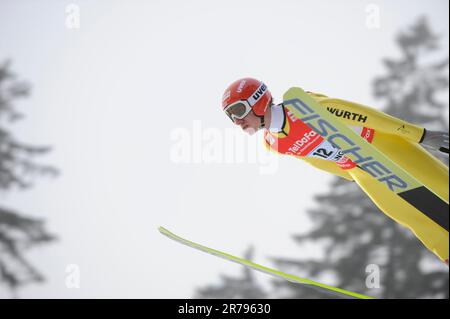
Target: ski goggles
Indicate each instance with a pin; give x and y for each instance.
(238, 110)
(241, 108)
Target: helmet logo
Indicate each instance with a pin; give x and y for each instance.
(241, 86)
(226, 95)
(259, 92)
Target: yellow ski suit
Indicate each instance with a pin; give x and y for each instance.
(399, 140)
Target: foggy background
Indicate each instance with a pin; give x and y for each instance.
(110, 92)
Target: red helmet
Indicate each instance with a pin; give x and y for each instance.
(244, 95)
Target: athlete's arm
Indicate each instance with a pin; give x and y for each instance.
(355, 114)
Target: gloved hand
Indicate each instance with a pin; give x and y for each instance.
(436, 140)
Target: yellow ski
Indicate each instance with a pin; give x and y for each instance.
(270, 271)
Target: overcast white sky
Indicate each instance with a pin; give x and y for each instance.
(112, 96)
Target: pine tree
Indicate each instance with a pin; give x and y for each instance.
(17, 171)
(349, 228)
(245, 287)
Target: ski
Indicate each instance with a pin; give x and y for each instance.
(273, 272)
(367, 157)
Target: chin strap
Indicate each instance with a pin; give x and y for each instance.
(262, 125)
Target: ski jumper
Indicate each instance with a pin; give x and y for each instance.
(397, 139)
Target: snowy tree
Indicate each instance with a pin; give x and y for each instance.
(17, 170)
